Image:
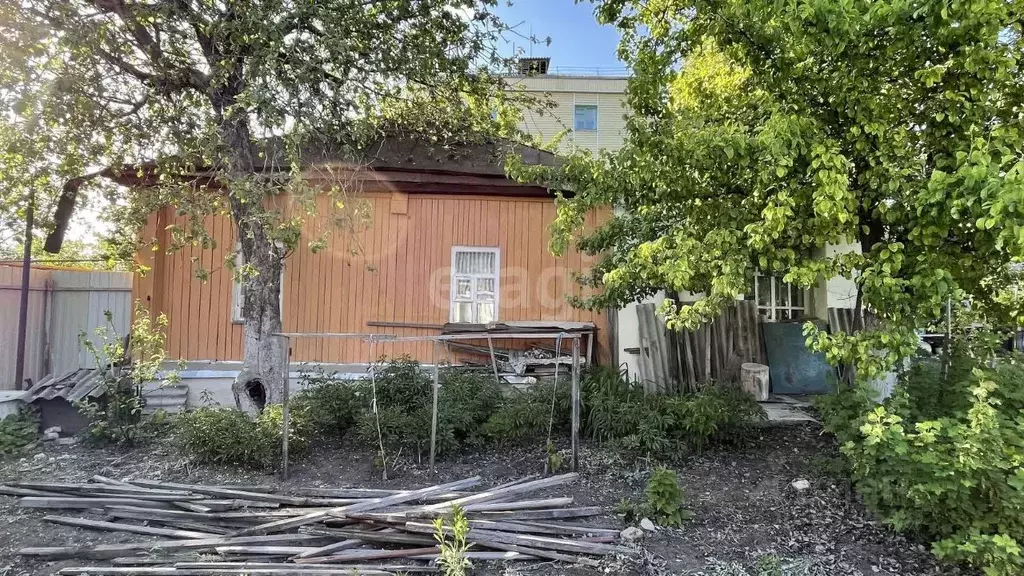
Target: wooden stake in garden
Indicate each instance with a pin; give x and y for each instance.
(433, 414)
(575, 402)
(372, 343)
(284, 407)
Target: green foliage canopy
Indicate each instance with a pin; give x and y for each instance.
(219, 106)
(190, 84)
(760, 132)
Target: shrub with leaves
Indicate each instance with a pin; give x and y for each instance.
(716, 414)
(526, 414)
(18, 430)
(452, 543)
(944, 458)
(664, 501)
(405, 403)
(467, 400)
(615, 409)
(129, 363)
(228, 436)
(331, 405)
(843, 409)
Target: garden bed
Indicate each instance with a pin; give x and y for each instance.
(746, 511)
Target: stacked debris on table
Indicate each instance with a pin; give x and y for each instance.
(255, 530)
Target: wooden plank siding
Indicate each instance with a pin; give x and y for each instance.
(395, 268)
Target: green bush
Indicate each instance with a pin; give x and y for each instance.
(664, 501)
(405, 403)
(615, 409)
(331, 406)
(18, 430)
(842, 410)
(944, 458)
(717, 414)
(228, 436)
(526, 414)
(131, 363)
(467, 401)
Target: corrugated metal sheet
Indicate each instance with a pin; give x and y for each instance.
(842, 320)
(71, 386)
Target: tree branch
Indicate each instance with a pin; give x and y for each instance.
(180, 76)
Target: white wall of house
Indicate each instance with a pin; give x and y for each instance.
(836, 292)
(629, 334)
(209, 383)
(604, 92)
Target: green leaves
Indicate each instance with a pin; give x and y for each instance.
(18, 431)
(944, 457)
(766, 135)
(250, 95)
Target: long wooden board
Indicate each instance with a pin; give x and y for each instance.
(374, 504)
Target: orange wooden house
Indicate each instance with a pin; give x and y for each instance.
(448, 241)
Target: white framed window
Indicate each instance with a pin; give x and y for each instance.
(776, 300)
(238, 289)
(474, 295)
(585, 118)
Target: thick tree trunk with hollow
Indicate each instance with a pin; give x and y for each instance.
(261, 380)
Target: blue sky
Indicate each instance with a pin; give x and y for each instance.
(576, 38)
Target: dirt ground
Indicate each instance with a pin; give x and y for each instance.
(746, 510)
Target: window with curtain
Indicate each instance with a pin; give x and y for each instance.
(474, 298)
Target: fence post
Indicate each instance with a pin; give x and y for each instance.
(285, 425)
(26, 274)
(575, 402)
(433, 414)
(47, 327)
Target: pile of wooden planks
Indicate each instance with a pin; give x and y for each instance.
(307, 531)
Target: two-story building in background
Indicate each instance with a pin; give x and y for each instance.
(589, 107)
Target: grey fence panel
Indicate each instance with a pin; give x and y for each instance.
(62, 305)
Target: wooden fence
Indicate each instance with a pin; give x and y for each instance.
(674, 362)
(62, 305)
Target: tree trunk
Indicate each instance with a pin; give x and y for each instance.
(261, 379)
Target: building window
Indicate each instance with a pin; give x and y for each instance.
(474, 297)
(776, 300)
(585, 118)
(238, 289)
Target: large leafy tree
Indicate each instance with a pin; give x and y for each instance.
(762, 131)
(236, 91)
